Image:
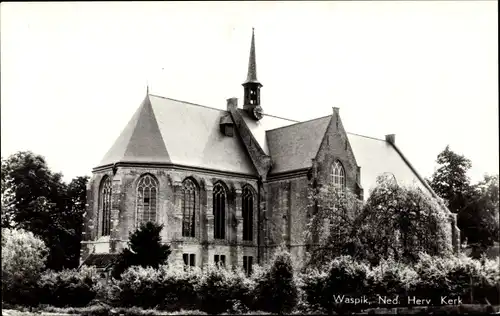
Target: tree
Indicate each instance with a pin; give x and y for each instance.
(407, 222)
(145, 249)
(478, 220)
(36, 199)
(450, 180)
(332, 227)
(23, 259)
(73, 217)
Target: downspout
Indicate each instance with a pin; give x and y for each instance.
(259, 183)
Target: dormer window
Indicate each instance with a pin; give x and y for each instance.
(226, 125)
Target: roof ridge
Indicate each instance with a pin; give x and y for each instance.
(275, 116)
(212, 108)
(190, 103)
(382, 140)
(300, 122)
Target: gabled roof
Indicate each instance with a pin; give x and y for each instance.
(170, 131)
(293, 147)
(376, 157)
(165, 130)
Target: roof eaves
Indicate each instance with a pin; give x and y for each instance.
(415, 171)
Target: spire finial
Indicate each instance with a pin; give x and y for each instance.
(252, 64)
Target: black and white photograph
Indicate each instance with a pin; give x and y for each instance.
(249, 158)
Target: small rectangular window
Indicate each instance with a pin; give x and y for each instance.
(247, 265)
(220, 260)
(228, 130)
(189, 260)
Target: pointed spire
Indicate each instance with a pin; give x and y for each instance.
(252, 64)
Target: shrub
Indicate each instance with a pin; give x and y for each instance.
(222, 290)
(69, 287)
(167, 288)
(23, 258)
(457, 276)
(275, 289)
(139, 286)
(346, 278)
(180, 288)
(312, 284)
(390, 278)
(488, 288)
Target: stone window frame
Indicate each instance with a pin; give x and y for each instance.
(338, 175)
(104, 205)
(196, 207)
(156, 197)
(226, 212)
(248, 188)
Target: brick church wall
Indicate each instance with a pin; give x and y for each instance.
(169, 213)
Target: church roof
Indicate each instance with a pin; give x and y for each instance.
(266, 123)
(376, 157)
(170, 131)
(293, 147)
(165, 130)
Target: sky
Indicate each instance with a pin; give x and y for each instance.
(73, 73)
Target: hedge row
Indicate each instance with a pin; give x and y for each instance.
(277, 289)
(431, 278)
(215, 290)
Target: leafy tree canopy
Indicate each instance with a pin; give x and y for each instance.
(450, 180)
(36, 199)
(395, 222)
(476, 205)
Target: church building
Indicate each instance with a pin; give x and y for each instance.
(229, 185)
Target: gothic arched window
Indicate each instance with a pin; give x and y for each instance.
(247, 210)
(105, 206)
(219, 208)
(338, 176)
(188, 208)
(146, 199)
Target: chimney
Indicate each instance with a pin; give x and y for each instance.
(391, 138)
(336, 110)
(232, 104)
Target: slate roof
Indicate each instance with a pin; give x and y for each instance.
(375, 157)
(293, 147)
(101, 260)
(165, 130)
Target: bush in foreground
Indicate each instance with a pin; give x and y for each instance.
(276, 289)
(222, 290)
(23, 259)
(75, 288)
